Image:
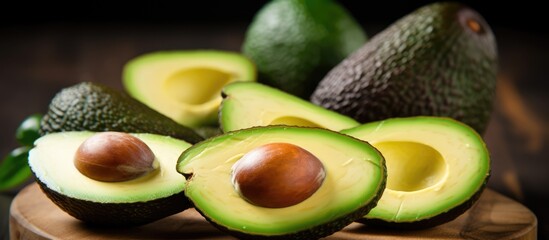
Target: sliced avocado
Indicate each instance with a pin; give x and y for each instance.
(138, 201)
(185, 85)
(439, 60)
(354, 178)
(94, 107)
(294, 43)
(437, 168)
(247, 104)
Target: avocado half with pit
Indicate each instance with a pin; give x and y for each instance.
(282, 182)
(437, 169)
(250, 104)
(143, 199)
(185, 85)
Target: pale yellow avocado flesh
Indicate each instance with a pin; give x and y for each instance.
(52, 161)
(250, 104)
(185, 85)
(354, 176)
(433, 165)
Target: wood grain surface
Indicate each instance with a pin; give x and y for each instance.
(33, 216)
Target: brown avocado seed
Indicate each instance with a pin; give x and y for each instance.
(114, 157)
(277, 175)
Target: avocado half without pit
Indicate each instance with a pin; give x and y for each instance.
(437, 169)
(111, 178)
(185, 85)
(251, 104)
(282, 182)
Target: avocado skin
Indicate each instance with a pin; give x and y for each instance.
(294, 43)
(427, 63)
(95, 107)
(118, 214)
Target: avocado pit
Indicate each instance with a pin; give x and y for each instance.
(114, 157)
(277, 175)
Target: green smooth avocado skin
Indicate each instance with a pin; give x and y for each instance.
(247, 104)
(94, 107)
(142, 200)
(439, 60)
(437, 168)
(354, 180)
(186, 85)
(294, 43)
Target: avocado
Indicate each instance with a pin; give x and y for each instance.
(439, 60)
(437, 168)
(351, 179)
(294, 43)
(94, 107)
(248, 104)
(126, 203)
(185, 85)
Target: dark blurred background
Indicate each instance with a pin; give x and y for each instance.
(47, 46)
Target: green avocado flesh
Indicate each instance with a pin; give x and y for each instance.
(144, 199)
(185, 85)
(248, 104)
(354, 180)
(437, 168)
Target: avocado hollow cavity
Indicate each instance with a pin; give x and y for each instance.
(197, 86)
(411, 166)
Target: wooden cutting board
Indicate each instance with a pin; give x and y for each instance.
(34, 216)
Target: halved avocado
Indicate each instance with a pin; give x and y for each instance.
(250, 104)
(138, 201)
(437, 168)
(353, 181)
(185, 85)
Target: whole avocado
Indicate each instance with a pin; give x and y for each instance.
(294, 43)
(439, 60)
(94, 107)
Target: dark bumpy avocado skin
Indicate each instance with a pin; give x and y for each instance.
(430, 62)
(93, 107)
(118, 214)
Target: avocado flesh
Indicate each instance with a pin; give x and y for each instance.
(138, 201)
(248, 104)
(95, 107)
(355, 177)
(295, 43)
(185, 85)
(437, 168)
(430, 62)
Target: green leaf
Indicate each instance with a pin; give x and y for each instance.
(28, 130)
(14, 169)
